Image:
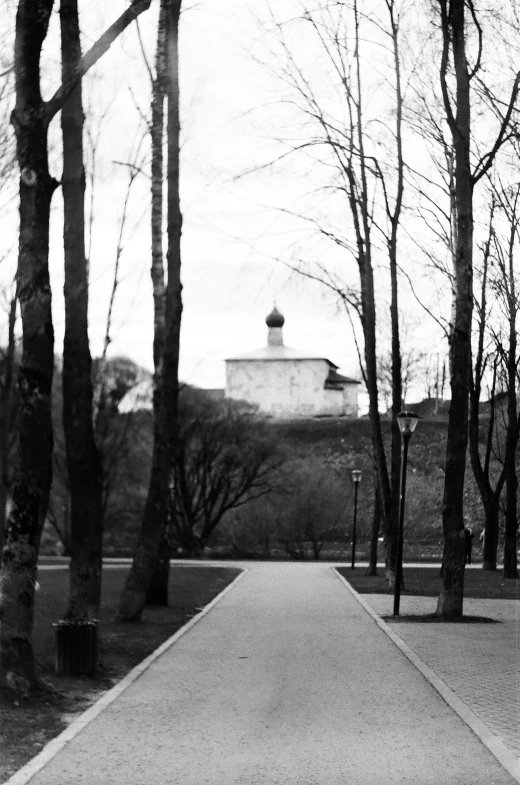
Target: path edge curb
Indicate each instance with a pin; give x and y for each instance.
(51, 749)
(489, 739)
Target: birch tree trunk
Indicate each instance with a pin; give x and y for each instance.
(157, 593)
(147, 552)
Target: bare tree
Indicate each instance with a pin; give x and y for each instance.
(314, 508)
(481, 465)
(166, 350)
(506, 287)
(456, 76)
(83, 463)
(103, 377)
(226, 458)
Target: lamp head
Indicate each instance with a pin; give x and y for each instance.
(407, 422)
(356, 475)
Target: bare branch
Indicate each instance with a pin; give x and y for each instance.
(476, 67)
(90, 58)
(486, 161)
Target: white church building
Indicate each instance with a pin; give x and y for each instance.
(288, 383)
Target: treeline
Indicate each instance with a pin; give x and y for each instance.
(305, 508)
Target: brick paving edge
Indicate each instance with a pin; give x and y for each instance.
(51, 749)
(490, 740)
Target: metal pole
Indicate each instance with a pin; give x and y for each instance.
(399, 559)
(354, 529)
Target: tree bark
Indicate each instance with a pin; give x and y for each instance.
(161, 487)
(512, 430)
(453, 27)
(374, 532)
(159, 582)
(481, 472)
(397, 384)
(6, 413)
(83, 462)
(489, 550)
(158, 589)
(450, 604)
(32, 478)
(361, 211)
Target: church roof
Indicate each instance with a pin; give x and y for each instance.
(278, 353)
(335, 380)
(276, 350)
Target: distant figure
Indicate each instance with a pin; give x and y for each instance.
(468, 545)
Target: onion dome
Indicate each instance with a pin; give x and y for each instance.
(275, 318)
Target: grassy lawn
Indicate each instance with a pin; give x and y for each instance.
(426, 582)
(26, 725)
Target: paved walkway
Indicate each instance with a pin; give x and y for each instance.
(479, 662)
(286, 680)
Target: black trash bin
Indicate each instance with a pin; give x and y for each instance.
(76, 646)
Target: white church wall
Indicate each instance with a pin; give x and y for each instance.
(333, 403)
(288, 388)
(350, 400)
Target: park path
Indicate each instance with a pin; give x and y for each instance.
(286, 680)
(480, 663)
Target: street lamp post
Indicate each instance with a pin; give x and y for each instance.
(407, 423)
(356, 479)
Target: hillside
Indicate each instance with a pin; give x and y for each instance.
(346, 444)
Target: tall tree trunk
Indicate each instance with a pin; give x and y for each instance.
(450, 604)
(378, 450)
(374, 532)
(481, 472)
(512, 431)
(157, 593)
(490, 546)
(83, 463)
(397, 383)
(383, 480)
(6, 411)
(158, 590)
(161, 486)
(32, 478)
(361, 212)
(454, 32)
